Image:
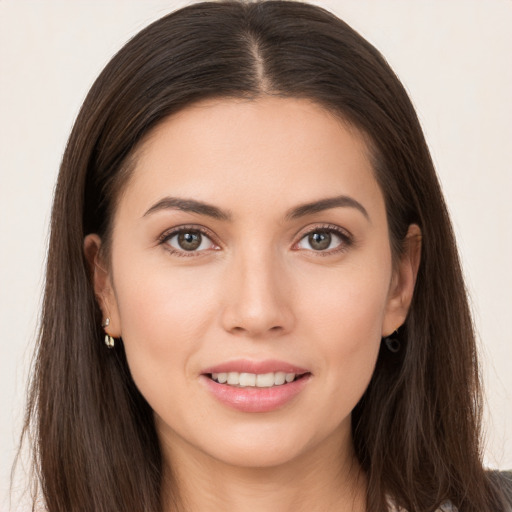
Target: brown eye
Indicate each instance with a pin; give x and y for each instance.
(189, 241)
(320, 240)
(324, 240)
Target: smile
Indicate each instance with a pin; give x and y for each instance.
(261, 380)
(255, 386)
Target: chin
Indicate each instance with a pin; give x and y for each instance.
(258, 455)
(266, 446)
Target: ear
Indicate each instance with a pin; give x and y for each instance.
(102, 282)
(403, 282)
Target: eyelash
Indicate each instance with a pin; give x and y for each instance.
(346, 240)
(165, 237)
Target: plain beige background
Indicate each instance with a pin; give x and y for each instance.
(453, 57)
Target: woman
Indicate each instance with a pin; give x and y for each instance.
(253, 295)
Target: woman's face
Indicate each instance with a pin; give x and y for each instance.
(251, 244)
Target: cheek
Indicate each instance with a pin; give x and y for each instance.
(159, 298)
(345, 320)
(163, 314)
(348, 304)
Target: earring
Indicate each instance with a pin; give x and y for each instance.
(393, 344)
(109, 340)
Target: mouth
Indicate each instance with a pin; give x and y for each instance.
(256, 386)
(255, 380)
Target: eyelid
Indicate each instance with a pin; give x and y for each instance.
(169, 233)
(346, 237)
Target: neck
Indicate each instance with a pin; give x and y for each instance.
(322, 479)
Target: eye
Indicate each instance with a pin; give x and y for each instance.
(324, 240)
(188, 240)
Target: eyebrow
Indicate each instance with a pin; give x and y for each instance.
(189, 205)
(194, 206)
(326, 204)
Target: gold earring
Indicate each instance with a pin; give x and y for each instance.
(109, 340)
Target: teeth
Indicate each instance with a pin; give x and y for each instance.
(265, 380)
(233, 378)
(261, 380)
(247, 379)
(280, 378)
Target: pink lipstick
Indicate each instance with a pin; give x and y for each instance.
(255, 386)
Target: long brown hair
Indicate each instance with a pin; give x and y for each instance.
(416, 429)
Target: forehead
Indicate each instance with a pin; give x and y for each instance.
(276, 150)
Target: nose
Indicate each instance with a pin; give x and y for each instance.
(258, 297)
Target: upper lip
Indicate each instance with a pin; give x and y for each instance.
(257, 367)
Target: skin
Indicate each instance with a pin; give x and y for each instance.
(256, 289)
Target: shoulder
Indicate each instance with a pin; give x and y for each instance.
(501, 479)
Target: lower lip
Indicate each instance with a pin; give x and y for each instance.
(253, 399)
